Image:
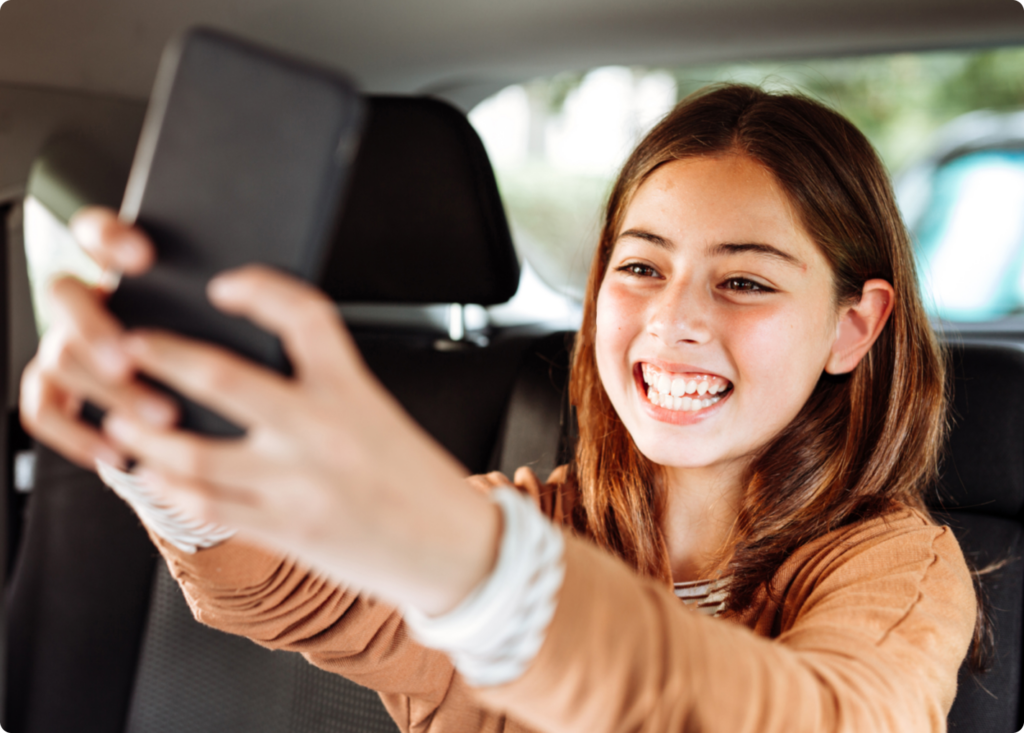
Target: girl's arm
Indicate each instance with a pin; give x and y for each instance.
(276, 601)
(873, 624)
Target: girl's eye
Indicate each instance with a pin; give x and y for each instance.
(743, 285)
(638, 269)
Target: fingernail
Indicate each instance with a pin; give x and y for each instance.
(155, 411)
(83, 227)
(112, 358)
(221, 286)
(131, 253)
(119, 428)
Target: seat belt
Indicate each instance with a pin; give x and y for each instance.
(539, 428)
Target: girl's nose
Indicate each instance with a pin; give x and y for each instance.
(680, 315)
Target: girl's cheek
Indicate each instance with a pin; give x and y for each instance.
(621, 305)
(782, 350)
(611, 311)
(617, 325)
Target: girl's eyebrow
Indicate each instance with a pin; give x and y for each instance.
(765, 250)
(647, 237)
(719, 250)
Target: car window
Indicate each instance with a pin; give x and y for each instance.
(970, 237)
(556, 144)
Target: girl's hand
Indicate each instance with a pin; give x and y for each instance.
(330, 469)
(81, 356)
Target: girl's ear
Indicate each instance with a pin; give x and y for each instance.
(859, 325)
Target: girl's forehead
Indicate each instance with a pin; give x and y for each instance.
(732, 186)
(707, 201)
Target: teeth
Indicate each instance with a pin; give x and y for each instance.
(680, 394)
(680, 404)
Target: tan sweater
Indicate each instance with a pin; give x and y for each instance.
(869, 629)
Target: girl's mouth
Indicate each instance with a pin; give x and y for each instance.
(682, 392)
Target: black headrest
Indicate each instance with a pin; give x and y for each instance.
(983, 470)
(423, 221)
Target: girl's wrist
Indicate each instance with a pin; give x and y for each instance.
(466, 558)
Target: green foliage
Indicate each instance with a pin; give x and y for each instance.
(898, 100)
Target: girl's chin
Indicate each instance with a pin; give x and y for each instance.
(672, 461)
(673, 450)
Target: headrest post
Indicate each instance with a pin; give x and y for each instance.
(456, 322)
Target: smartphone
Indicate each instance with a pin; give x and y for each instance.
(243, 157)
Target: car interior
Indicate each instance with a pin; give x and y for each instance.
(97, 635)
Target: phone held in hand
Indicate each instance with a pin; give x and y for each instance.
(244, 157)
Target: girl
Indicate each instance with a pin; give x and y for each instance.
(760, 402)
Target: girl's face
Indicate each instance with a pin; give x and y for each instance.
(716, 315)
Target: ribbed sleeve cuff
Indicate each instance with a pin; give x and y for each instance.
(178, 529)
(494, 634)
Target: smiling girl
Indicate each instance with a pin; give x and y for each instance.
(761, 404)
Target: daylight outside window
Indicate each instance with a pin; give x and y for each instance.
(944, 123)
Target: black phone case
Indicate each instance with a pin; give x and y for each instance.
(243, 157)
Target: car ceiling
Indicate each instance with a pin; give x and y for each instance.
(443, 46)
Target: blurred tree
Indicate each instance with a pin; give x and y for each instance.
(546, 97)
(898, 100)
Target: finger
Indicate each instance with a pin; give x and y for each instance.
(112, 243)
(83, 355)
(197, 499)
(480, 484)
(242, 391)
(224, 462)
(497, 478)
(208, 503)
(67, 374)
(486, 483)
(52, 418)
(305, 319)
(88, 329)
(526, 480)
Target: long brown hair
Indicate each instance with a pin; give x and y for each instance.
(864, 442)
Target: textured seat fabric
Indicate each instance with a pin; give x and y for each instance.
(990, 702)
(983, 471)
(239, 686)
(981, 495)
(77, 605)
